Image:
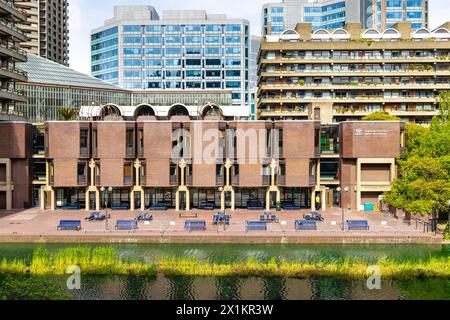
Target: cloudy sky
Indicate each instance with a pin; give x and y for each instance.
(86, 15)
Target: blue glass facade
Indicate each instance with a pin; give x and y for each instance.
(176, 56)
(330, 16)
(414, 11)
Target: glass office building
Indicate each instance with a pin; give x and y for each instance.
(333, 14)
(184, 50)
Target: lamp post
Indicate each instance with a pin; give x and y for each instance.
(341, 190)
(106, 196)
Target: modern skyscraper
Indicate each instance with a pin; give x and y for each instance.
(10, 54)
(333, 14)
(46, 28)
(185, 49)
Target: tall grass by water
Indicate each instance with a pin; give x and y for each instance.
(106, 261)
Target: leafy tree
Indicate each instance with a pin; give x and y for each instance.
(67, 114)
(444, 106)
(380, 116)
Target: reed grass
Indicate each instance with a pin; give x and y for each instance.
(106, 261)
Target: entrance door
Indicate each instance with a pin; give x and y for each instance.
(137, 199)
(182, 200)
(3, 200)
(273, 199)
(92, 204)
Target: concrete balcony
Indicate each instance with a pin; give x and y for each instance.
(359, 86)
(313, 60)
(16, 53)
(12, 95)
(9, 29)
(380, 100)
(340, 73)
(9, 8)
(13, 73)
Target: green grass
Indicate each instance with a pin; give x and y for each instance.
(105, 261)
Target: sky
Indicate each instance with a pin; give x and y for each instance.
(85, 15)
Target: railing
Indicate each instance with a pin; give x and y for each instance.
(11, 91)
(143, 179)
(174, 181)
(281, 180)
(127, 180)
(14, 70)
(84, 152)
(235, 180)
(266, 180)
(12, 26)
(312, 180)
(129, 152)
(97, 180)
(82, 180)
(14, 48)
(219, 180)
(427, 226)
(189, 180)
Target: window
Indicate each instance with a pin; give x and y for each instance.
(129, 142)
(84, 141)
(81, 173)
(128, 173)
(141, 142)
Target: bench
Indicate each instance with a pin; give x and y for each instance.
(305, 225)
(187, 215)
(255, 205)
(268, 217)
(317, 216)
(126, 225)
(290, 206)
(144, 216)
(195, 225)
(221, 219)
(206, 206)
(255, 226)
(159, 207)
(94, 216)
(120, 206)
(357, 225)
(72, 206)
(69, 225)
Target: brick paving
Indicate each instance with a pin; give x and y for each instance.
(36, 225)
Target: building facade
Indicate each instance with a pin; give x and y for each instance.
(46, 28)
(183, 50)
(148, 163)
(349, 73)
(10, 54)
(334, 14)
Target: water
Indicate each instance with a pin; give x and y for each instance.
(236, 288)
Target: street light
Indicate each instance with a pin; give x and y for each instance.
(340, 190)
(105, 195)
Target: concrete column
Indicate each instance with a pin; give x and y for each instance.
(222, 201)
(393, 172)
(233, 203)
(142, 200)
(9, 198)
(52, 200)
(177, 201)
(358, 184)
(92, 168)
(97, 200)
(137, 167)
(268, 200)
(188, 202)
(87, 198)
(323, 194)
(313, 199)
(42, 199)
(132, 199)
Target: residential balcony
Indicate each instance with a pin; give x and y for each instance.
(13, 73)
(378, 59)
(16, 53)
(14, 95)
(82, 180)
(361, 99)
(8, 7)
(10, 29)
(353, 86)
(348, 73)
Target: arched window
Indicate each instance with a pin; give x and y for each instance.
(340, 34)
(110, 110)
(391, 34)
(289, 35)
(421, 34)
(321, 34)
(211, 110)
(371, 34)
(144, 110)
(178, 110)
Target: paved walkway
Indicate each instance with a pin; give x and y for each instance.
(35, 225)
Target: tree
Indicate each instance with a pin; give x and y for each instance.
(444, 106)
(380, 116)
(67, 114)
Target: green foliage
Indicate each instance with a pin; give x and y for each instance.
(67, 114)
(424, 186)
(30, 288)
(380, 116)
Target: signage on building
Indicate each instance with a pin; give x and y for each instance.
(359, 132)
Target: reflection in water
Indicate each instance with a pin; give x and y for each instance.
(181, 288)
(330, 288)
(274, 288)
(228, 288)
(133, 288)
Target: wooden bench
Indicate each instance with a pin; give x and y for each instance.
(69, 225)
(357, 225)
(305, 225)
(129, 225)
(195, 225)
(255, 226)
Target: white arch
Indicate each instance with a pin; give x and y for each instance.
(289, 35)
(143, 105)
(178, 105)
(100, 110)
(391, 34)
(321, 34)
(371, 34)
(421, 34)
(441, 33)
(340, 34)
